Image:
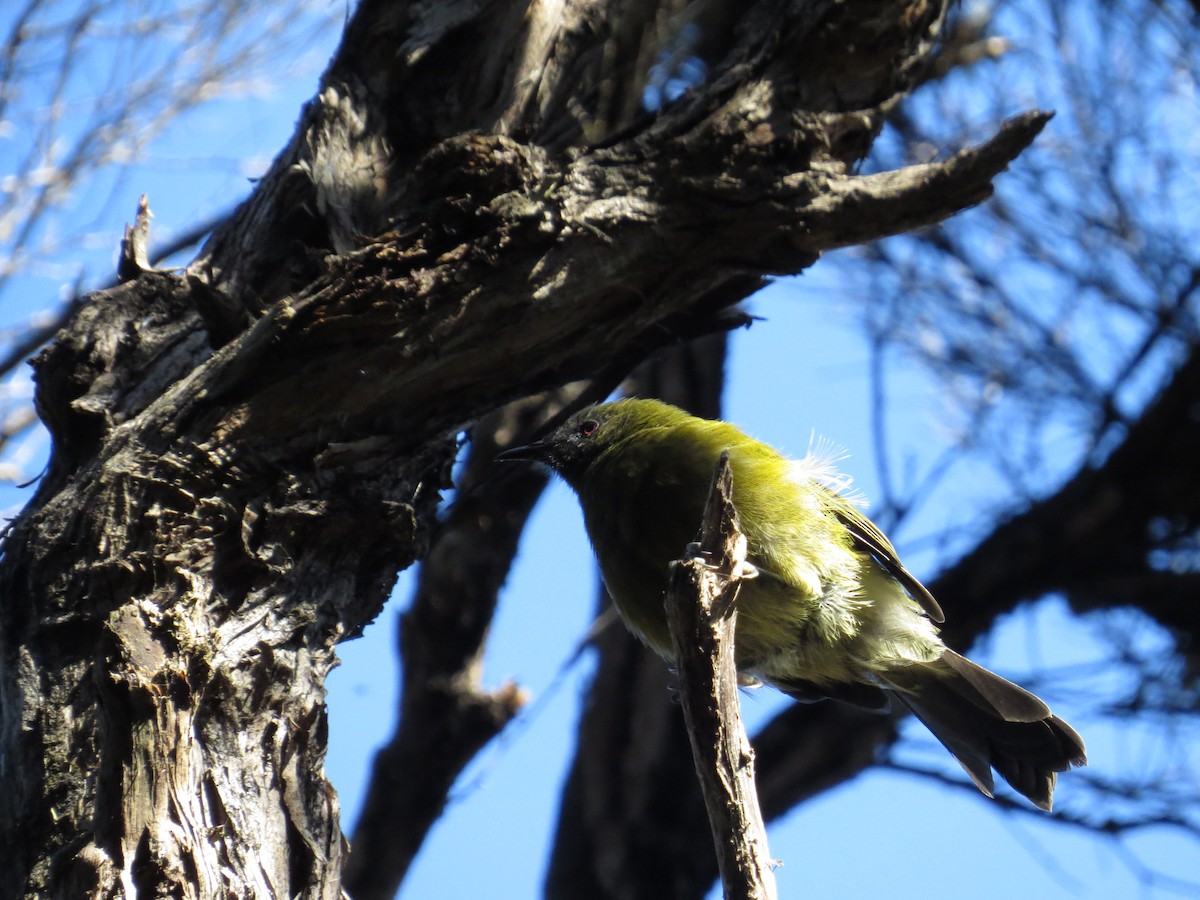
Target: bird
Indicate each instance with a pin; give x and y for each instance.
(830, 612)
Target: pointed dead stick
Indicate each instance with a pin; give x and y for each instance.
(702, 614)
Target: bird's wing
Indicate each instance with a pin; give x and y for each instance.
(871, 539)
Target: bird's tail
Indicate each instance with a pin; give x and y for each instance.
(989, 723)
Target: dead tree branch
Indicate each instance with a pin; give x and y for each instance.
(702, 615)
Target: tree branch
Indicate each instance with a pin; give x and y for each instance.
(865, 208)
(702, 617)
(1104, 521)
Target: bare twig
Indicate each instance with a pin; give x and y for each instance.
(702, 617)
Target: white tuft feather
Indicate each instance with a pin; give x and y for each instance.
(819, 464)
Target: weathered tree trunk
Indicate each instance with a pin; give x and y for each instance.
(473, 209)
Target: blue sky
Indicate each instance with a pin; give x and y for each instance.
(800, 373)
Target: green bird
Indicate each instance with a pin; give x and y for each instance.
(830, 611)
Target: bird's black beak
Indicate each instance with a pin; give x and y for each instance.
(538, 451)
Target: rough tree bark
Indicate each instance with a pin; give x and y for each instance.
(472, 210)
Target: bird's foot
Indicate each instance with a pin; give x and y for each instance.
(746, 569)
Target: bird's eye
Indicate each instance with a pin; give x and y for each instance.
(588, 428)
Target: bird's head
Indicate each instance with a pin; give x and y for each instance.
(571, 447)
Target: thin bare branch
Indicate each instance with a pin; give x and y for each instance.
(702, 614)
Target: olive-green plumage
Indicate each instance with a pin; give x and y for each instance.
(831, 613)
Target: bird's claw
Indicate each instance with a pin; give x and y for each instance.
(746, 570)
